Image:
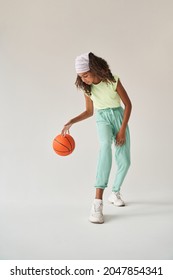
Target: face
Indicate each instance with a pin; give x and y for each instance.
(88, 78)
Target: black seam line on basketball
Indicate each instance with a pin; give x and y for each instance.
(62, 151)
(69, 142)
(62, 144)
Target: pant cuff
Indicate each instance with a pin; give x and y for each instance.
(100, 187)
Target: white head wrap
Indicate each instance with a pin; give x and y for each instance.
(82, 63)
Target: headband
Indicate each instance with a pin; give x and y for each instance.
(82, 63)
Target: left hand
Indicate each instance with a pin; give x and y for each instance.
(120, 138)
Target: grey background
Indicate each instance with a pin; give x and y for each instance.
(45, 199)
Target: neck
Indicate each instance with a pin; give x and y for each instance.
(96, 80)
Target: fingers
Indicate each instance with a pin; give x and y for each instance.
(120, 142)
(120, 139)
(65, 130)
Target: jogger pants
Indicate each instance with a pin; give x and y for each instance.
(109, 122)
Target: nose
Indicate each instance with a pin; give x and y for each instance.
(84, 80)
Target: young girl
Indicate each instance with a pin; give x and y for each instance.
(104, 92)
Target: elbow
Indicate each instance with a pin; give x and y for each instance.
(129, 105)
(90, 113)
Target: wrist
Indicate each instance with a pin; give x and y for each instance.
(69, 123)
(123, 129)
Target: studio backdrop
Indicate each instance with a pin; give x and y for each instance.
(39, 40)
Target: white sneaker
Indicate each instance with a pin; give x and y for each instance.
(96, 214)
(115, 198)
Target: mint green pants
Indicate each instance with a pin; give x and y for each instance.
(108, 124)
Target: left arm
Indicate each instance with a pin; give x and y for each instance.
(120, 137)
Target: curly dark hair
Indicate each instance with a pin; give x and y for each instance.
(100, 68)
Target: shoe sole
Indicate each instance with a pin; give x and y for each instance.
(122, 205)
(96, 222)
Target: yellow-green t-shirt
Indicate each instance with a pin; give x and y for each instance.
(104, 95)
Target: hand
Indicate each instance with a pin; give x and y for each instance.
(120, 138)
(66, 128)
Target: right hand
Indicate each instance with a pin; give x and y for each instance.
(66, 128)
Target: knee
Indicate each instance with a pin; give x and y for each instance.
(105, 144)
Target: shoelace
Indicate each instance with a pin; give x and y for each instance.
(98, 207)
(118, 195)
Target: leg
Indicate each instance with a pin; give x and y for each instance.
(122, 157)
(104, 163)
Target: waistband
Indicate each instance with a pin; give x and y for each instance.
(109, 109)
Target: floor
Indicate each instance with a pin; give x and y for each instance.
(59, 229)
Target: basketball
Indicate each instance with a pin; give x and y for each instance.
(63, 145)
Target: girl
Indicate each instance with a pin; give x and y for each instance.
(104, 92)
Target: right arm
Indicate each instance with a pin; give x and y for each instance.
(86, 114)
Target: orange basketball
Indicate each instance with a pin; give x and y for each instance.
(63, 145)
